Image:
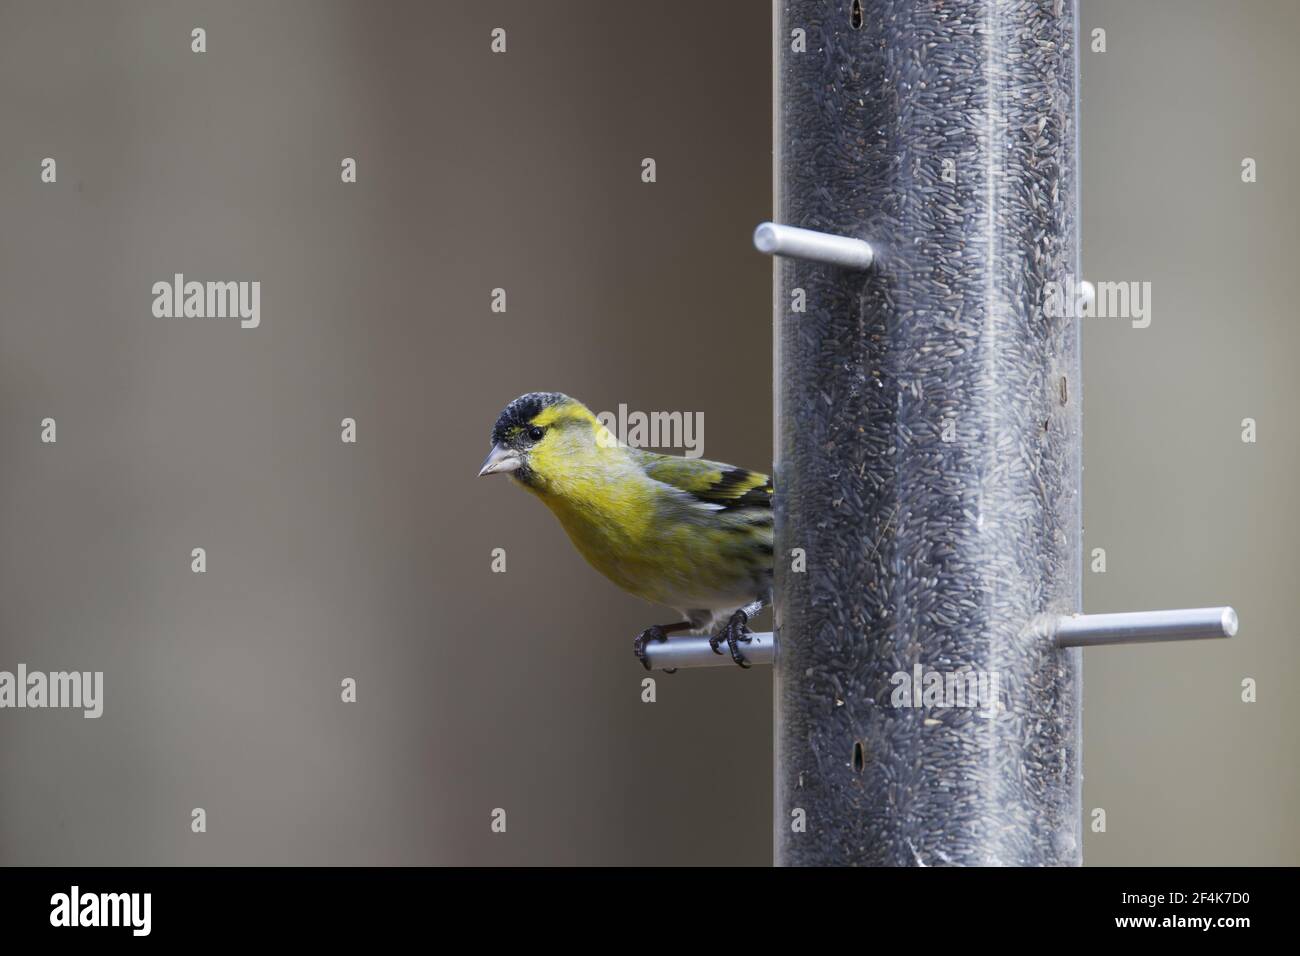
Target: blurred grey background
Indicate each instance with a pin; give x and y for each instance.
(479, 690)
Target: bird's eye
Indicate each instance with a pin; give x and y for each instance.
(535, 433)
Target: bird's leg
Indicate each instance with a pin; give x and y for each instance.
(735, 632)
(657, 632)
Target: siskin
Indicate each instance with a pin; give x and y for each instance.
(690, 534)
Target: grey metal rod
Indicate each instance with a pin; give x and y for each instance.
(778, 240)
(1144, 627)
(695, 652)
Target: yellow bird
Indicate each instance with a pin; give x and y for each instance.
(690, 534)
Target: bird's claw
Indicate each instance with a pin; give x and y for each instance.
(652, 633)
(735, 632)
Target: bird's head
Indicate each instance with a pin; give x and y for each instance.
(546, 440)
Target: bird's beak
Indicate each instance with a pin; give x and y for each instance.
(500, 459)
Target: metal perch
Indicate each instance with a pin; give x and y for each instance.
(1145, 627)
(695, 652)
(798, 243)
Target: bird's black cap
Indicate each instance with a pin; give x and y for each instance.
(522, 411)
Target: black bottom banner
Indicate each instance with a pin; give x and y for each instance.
(370, 905)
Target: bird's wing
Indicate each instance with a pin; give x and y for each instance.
(722, 486)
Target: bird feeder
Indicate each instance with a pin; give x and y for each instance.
(928, 438)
